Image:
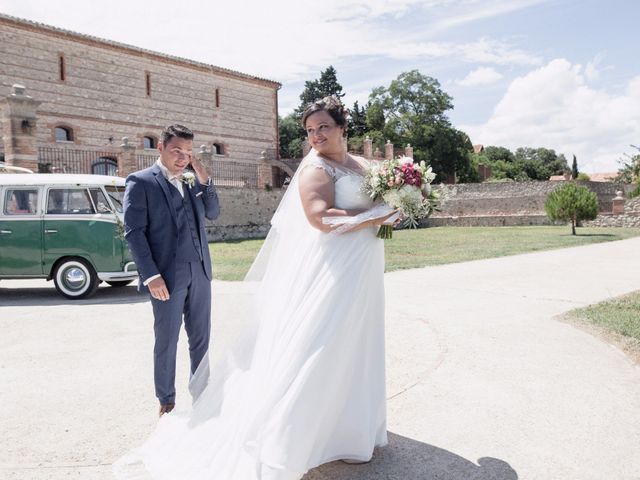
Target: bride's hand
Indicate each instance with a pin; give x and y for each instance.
(381, 220)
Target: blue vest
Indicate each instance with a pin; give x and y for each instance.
(189, 249)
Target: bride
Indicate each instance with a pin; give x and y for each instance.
(306, 385)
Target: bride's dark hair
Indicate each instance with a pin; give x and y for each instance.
(333, 106)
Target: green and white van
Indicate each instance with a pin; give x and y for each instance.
(64, 227)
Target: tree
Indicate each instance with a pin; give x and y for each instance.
(314, 90)
(412, 110)
(357, 121)
(630, 170)
(541, 163)
(574, 168)
(291, 136)
(495, 154)
(503, 163)
(570, 202)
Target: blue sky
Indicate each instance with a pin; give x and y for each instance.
(562, 74)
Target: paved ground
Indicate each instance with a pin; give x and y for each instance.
(483, 383)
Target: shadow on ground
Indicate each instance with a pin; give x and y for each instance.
(407, 459)
(47, 295)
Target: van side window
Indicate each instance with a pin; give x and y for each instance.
(116, 194)
(100, 203)
(21, 202)
(69, 201)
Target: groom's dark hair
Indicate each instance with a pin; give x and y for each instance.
(173, 131)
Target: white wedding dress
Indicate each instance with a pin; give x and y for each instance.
(306, 385)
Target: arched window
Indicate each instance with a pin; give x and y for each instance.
(218, 149)
(63, 134)
(105, 166)
(149, 142)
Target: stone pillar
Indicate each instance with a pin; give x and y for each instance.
(388, 150)
(367, 147)
(618, 203)
(265, 172)
(408, 151)
(19, 129)
(127, 162)
(306, 148)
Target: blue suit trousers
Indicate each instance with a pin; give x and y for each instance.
(191, 300)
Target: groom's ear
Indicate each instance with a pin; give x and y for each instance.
(160, 147)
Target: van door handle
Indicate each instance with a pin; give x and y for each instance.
(51, 231)
(6, 231)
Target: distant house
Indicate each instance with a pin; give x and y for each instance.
(561, 178)
(594, 177)
(478, 148)
(602, 177)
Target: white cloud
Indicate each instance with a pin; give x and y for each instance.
(555, 107)
(475, 10)
(480, 76)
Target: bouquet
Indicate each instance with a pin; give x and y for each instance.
(404, 186)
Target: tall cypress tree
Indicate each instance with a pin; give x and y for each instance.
(574, 168)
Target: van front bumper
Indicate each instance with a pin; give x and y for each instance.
(130, 273)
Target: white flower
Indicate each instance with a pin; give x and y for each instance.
(189, 178)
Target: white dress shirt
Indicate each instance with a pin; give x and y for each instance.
(173, 180)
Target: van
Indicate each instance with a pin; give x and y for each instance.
(65, 228)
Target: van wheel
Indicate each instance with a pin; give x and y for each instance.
(75, 278)
(119, 283)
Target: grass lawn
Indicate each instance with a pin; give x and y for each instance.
(438, 245)
(617, 320)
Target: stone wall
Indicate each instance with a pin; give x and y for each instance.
(515, 198)
(244, 213)
(630, 217)
(509, 203)
(103, 96)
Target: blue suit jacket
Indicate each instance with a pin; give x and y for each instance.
(151, 227)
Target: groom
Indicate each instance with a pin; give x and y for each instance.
(164, 216)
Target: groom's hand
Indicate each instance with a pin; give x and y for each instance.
(158, 289)
(200, 170)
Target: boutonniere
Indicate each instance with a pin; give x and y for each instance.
(189, 178)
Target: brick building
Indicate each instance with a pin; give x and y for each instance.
(84, 94)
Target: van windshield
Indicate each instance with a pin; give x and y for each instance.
(116, 195)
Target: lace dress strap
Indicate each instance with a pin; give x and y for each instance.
(318, 162)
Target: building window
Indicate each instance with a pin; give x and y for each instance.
(61, 68)
(105, 166)
(149, 142)
(63, 134)
(217, 98)
(218, 149)
(147, 81)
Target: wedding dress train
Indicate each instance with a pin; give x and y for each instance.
(306, 385)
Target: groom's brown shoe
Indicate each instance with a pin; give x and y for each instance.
(166, 408)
